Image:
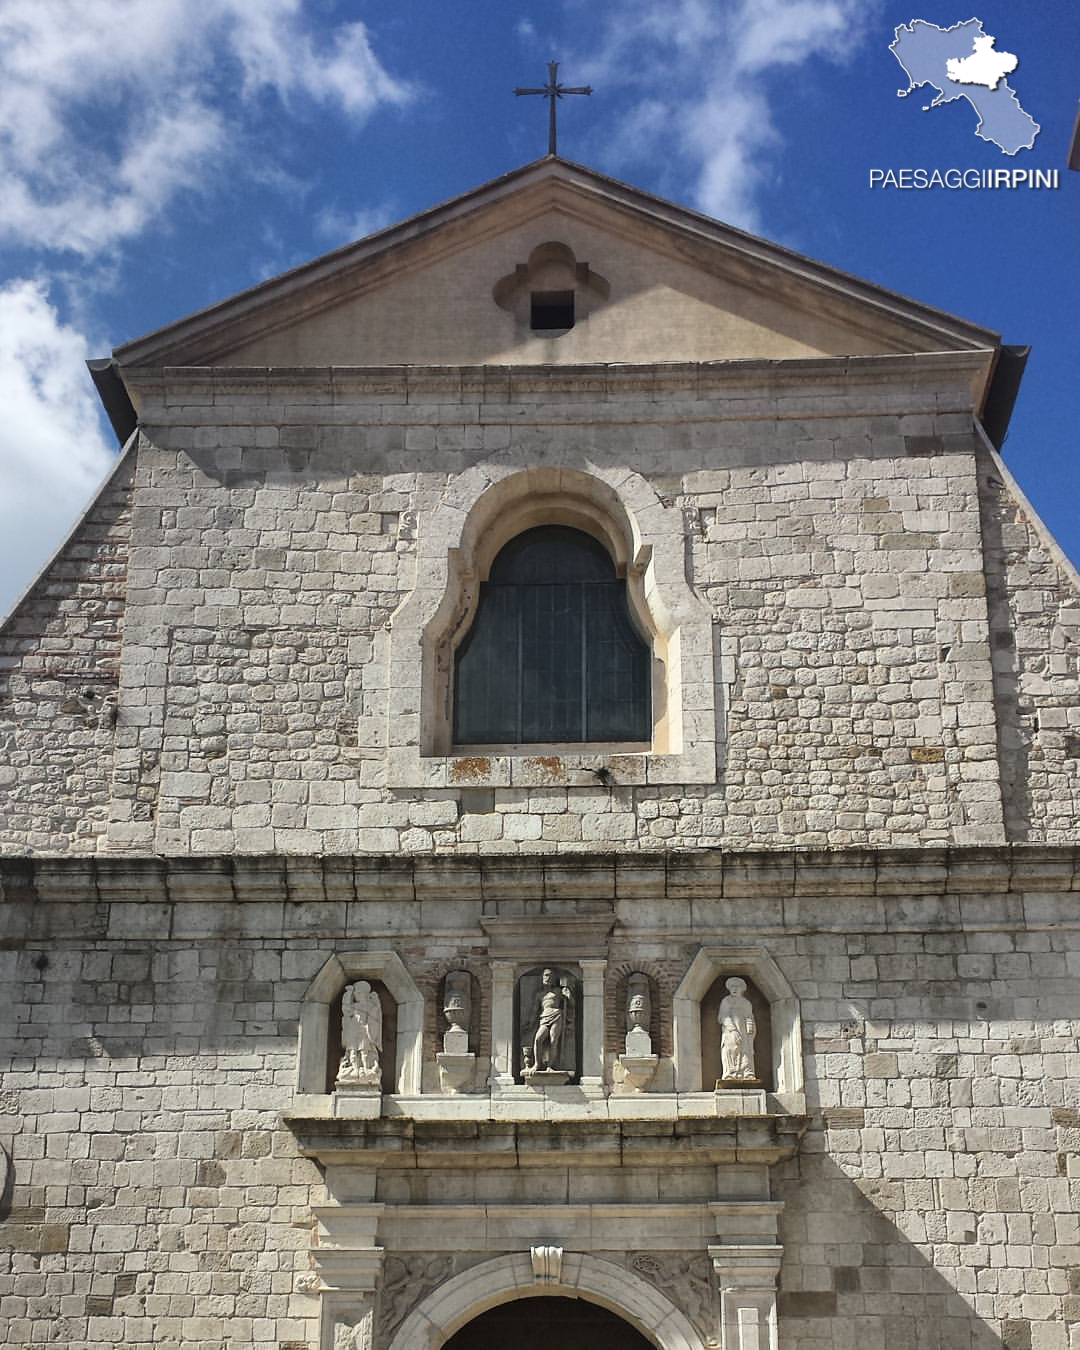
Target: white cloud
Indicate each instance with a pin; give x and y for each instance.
(340, 227)
(108, 110)
(702, 69)
(53, 448)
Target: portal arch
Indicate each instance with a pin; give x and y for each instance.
(623, 1292)
(534, 1323)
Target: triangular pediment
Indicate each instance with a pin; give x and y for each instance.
(650, 281)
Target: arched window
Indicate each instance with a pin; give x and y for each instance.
(553, 654)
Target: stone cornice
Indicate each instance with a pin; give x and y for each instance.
(252, 895)
(404, 1143)
(721, 390)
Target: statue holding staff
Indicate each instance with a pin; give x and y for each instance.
(553, 1003)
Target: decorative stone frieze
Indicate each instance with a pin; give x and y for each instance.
(609, 1141)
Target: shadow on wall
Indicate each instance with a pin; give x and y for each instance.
(1013, 736)
(856, 1274)
(353, 458)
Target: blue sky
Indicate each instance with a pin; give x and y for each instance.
(158, 156)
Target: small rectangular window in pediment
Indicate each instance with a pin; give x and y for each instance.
(552, 311)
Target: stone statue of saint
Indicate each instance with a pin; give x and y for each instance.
(736, 1018)
(361, 1034)
(550, 1019)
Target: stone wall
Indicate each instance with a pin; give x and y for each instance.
(151, 1045)
(59, 670)
(843, 544)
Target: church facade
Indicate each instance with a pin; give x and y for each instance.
(540, 802)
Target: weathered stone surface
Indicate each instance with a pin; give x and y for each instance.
(863, 688)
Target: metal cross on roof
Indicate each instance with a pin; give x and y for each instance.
(554, 90)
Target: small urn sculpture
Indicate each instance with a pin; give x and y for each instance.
(456, 1062)
(635, 1069)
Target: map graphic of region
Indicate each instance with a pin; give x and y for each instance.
(960, 62)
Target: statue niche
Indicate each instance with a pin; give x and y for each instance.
(362, 1039)
(457, 1058)
(736, 1035)
(635, 1069)
(548, 1040)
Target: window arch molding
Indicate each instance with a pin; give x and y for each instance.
(481, 511)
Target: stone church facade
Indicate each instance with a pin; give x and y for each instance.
(338, 1020)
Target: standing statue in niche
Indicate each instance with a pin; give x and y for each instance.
(550, 1048)
(737, 1027)
(361, 1035)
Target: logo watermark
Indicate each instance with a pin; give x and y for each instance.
(954, 180)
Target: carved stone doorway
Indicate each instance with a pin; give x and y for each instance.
(548, 1324)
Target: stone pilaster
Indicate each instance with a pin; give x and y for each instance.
(502, 1024)
(592, 1031)
(349, 1265)
(746, 1276)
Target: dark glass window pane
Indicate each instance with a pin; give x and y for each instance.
(553, 654)
(617, 673)
(551, 663)
(549, 554)
(487, 695)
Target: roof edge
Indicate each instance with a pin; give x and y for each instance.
(1002, 392)
(114, 396)
(110, 473)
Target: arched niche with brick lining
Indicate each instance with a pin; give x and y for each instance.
(756, 965)
(324, 993)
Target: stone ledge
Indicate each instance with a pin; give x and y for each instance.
(982, 878)
(404, 1143)
(168, 393)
